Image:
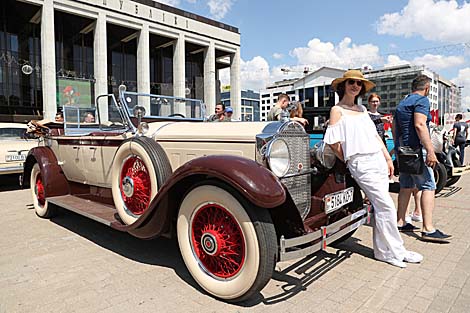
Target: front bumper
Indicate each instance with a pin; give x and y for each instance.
(13, 169)
(292, 248)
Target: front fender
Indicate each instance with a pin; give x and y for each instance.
(252, 180)
(54, 180)
(259, 185)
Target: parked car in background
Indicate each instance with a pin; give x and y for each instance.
(238, 197)
(14, 147)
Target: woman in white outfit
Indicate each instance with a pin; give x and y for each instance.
(353, 136)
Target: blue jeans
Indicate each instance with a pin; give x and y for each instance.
(462, 151)
(424, 181)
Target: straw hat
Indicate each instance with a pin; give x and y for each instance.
(352, 74)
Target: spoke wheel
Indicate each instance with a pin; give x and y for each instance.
(135, 185)
(139, 169)
(38, 193)
(218, 241)
(228, 245)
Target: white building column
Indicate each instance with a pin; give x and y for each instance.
(143, 66)
(179, 73)
(48, 67)
(209, 78)
(235, 86)
(100, 64)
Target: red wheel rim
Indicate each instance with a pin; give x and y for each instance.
(218, 241)
(40, 195)
(135, 185)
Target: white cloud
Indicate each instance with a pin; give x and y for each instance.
(395, 60)
(254, 74)
(173, 3)
(439, 62)
(218, 8)
(346, 54)
(278, 56)
(463, 79)
(433, 20)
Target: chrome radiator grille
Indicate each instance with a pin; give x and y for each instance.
(298, 186)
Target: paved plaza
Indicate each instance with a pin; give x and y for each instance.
(72, 264)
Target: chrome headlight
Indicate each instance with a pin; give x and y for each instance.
(323, 153)
(278, 157)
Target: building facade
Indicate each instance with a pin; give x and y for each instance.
(394, 83)
(313, 90)
(250, 108)
(56, 52)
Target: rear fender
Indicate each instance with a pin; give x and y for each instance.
(54, 180)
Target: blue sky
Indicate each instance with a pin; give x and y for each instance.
(304, 33)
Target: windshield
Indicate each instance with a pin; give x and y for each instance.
(164, 106)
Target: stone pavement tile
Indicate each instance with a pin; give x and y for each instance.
(415, 282)
(396, 282)
(449, 292)
(379, 298)
(441, 304)
(445, 269)
(419, 304)
(458, 278)
(405, 292)
(395, 304)
(428, 292)
(341, 295)
(462, 304)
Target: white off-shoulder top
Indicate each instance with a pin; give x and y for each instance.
(356, 133)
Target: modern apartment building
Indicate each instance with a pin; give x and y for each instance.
(394, 83)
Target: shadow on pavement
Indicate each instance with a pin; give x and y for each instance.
(160, 252)
(448, 191)
(310, 269)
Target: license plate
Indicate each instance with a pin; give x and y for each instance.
(15, 157)
(334, 201)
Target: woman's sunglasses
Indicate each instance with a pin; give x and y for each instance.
(353, 81)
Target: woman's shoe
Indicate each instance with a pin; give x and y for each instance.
(416, 218)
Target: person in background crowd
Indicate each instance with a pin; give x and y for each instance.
(460, 135)
(376, 117)
(298, 111)
(59, 117)
(410, 128)
(416, 216)
(228, 114)
(354, 139)
(219, 114)
(281, 105)
(89, 118)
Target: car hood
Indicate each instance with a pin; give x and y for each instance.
(207, 131)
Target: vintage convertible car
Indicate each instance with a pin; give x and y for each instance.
(14, 147)
(238, 196)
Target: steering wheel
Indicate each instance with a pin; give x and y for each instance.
(176, 115)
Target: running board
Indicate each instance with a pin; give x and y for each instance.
(103, 213)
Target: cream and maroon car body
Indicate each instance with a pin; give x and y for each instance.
(239, 196)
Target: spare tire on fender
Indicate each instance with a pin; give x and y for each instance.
(140, 168)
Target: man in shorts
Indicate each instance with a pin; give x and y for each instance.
(411, 128)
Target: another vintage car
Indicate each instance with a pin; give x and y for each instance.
(14, 147)
(238, 196)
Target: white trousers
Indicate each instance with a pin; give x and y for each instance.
(371, 173)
